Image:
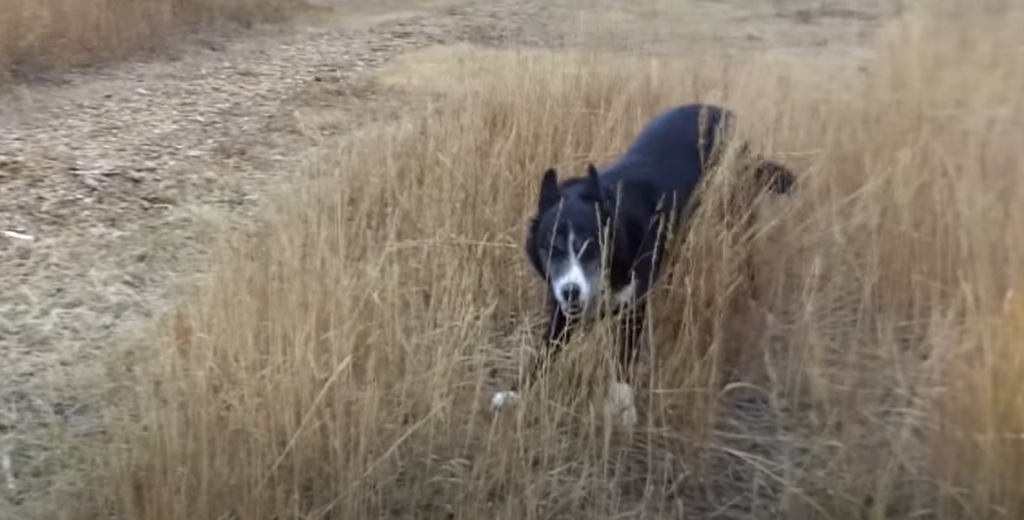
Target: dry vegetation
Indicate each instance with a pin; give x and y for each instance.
(38, 36)
(336, 360)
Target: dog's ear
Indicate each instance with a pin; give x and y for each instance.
(594, 182)
(595, 188)
(549, 192)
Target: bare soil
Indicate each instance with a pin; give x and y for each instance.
(108, 177)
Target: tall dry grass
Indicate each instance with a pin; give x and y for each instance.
(42, 36)
(336, 360)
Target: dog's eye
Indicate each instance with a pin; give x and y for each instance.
(556, 246)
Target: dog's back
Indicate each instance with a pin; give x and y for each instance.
(672, 151)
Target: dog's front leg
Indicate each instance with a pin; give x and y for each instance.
(630, 340)
(630, 337)
(556, 334)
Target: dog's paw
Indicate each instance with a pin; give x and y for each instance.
(628, 417)
(502, 400)
(621, 404)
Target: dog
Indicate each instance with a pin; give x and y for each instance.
(613, 222)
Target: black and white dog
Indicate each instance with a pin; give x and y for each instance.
(612, 223)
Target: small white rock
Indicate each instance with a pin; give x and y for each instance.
(8, 471)
(19, 236)
(502, 400)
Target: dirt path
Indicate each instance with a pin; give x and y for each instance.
(110, 171)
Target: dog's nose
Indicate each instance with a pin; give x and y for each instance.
(571, 293)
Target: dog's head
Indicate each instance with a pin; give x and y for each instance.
(565, 239)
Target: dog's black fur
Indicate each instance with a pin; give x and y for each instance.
(651, 183)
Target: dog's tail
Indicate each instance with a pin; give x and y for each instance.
(769, 174)
(773, 175)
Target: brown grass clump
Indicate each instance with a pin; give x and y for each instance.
(38, 36)
(335, 362)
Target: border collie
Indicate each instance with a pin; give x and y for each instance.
(612, 222)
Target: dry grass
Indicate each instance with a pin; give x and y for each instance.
(336, 360)
(38, 36)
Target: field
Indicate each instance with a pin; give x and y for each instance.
(280, 277)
